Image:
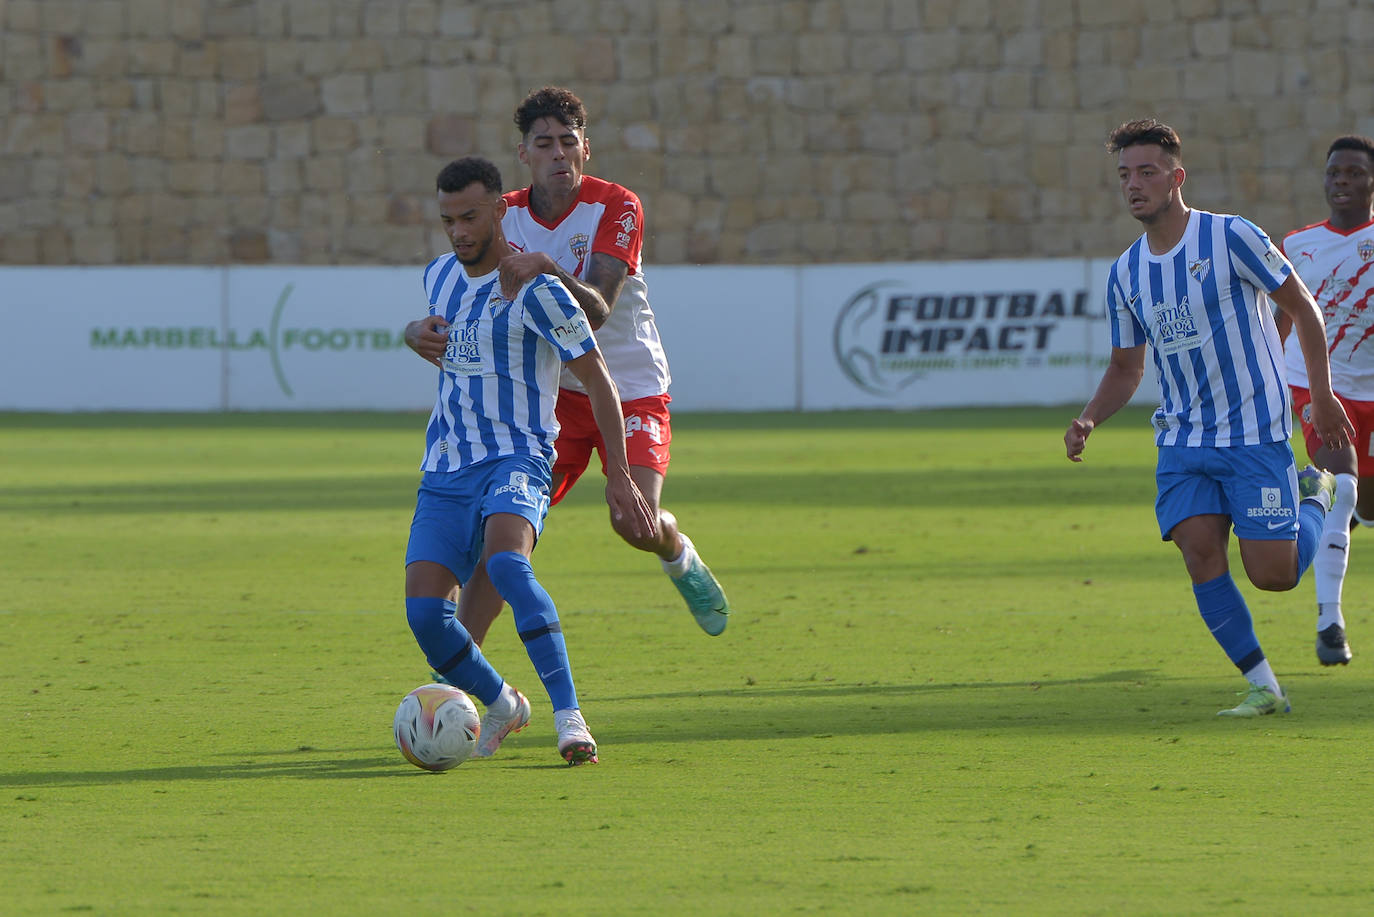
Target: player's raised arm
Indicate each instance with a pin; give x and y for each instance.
(519, 268)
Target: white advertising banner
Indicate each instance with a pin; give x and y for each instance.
(950, 335)
(738, 338)
(730, 334)
(102, 339)
(325, 338)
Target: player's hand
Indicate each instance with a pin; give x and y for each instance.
(1076, 438)
(627, 503)
(428, 337)
(519, 268)
(1330, 422)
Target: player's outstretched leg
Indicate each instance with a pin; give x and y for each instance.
(458, 661)
(1226, 615)
(705, 599)
(1329, 568)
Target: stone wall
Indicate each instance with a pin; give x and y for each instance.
(756, 131)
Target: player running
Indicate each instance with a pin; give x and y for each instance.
(1195, 287)
(1335, 259)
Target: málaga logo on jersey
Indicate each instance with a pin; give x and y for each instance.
(1200, 268)
(1175, 328)
(462, 356)
(888, 336)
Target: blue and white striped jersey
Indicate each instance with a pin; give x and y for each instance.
(500, 370)
(1204, 309)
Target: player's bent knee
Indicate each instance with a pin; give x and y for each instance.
(1273, 585)
(426, 617)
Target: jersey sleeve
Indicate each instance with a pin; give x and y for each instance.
(1255, 257)
(553, 314)
(620, 233)
(1127, 331)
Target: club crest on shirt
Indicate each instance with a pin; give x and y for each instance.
(497, 303)
(1365, 249)
(1200, 269)
(578, 246)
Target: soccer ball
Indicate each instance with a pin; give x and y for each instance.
(436, 727)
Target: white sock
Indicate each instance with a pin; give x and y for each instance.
(1333, 553)
(504, 705)
(678, 566)
(1262, 676)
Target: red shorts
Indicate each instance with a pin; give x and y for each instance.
(648, 434)
(1361, 414)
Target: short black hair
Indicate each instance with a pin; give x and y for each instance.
(551, 102)
(460, 173)
(1352, 142)
(1146, 130)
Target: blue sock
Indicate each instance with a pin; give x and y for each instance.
(1311, 521)
(1226, 616)
(449, 648)
(536, 620)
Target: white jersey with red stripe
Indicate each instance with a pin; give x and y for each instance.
(1338, 267)
(605, 218)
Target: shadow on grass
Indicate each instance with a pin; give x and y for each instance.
(1127, 702)
(335, 768)
(1096, 485)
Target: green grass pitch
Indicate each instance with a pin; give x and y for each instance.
(964, 676)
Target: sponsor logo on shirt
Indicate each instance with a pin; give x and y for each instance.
(462, 356)
(572, 332)
(1175, 327)
(627, 227)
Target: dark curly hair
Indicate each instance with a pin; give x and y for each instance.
(551, 102)
(1352, 142)
(460, 173)
(1146, 130)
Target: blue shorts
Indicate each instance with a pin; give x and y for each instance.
(452, 507)
(1257, 486)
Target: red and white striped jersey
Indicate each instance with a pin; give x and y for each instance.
(606, 218)
(1338, 267)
